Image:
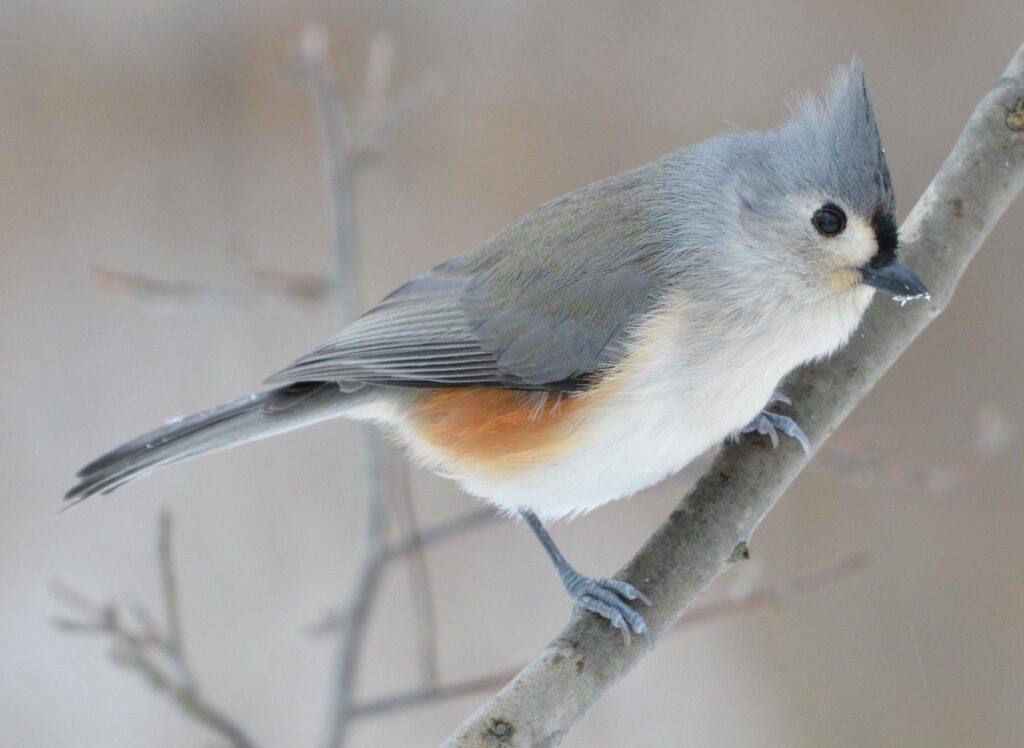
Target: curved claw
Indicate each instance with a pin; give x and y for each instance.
(607, 611)
(625, 589)
(762, 425)
(769, 424)
(789, 427)
(609, 598)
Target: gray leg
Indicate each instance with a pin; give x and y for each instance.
(606, 597)
(769, 424)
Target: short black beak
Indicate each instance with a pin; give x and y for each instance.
(897, 280)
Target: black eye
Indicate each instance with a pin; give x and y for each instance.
(829, 219)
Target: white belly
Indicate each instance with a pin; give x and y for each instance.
(674, 400)
(637, 439)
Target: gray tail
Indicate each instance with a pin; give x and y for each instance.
(245, 420)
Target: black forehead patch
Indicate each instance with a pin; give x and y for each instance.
(887, 235)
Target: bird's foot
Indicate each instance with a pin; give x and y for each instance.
(610, 599)
(770, 424)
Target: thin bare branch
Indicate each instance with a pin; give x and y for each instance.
(420, 588)
(870, 459)
(154, 652)
(169, 586)
(335, 121)
(409, 98)
(471, 520)
(262, 282)
(75, 600)
(979, 179)
(380, 70)
(349, 646)
(150, 287)
(419, 696)
(332, 620)
(347, 130)
(775, 594)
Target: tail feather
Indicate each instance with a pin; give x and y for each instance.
(237, 422)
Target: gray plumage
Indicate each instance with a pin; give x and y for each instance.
(248, 418)
(719, 235)
(543, 303)
(550, 299)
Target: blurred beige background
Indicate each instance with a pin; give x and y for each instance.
(154, 136)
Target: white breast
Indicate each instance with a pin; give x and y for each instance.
(680, 391)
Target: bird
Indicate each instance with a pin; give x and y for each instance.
(608, 337)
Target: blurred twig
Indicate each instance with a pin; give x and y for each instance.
(259, 281)
(415, 541)
(775, 594)
(141, 644)
(735, 603)
(869, 460)
(420, 586)
(349, 131)
(471, 520)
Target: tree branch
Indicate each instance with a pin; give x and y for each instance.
(420, 587)
(982, 174)
(258, 282)
(335, 115)
(733, 604)
(349, 129)
(159, 656)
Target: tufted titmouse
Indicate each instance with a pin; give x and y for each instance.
(608, 337)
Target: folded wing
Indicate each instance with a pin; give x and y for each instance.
(545, 305)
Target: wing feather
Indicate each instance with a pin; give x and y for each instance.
(546, 303)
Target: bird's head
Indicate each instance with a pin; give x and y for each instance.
(818, 195)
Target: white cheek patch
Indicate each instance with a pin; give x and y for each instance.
(856, 245)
